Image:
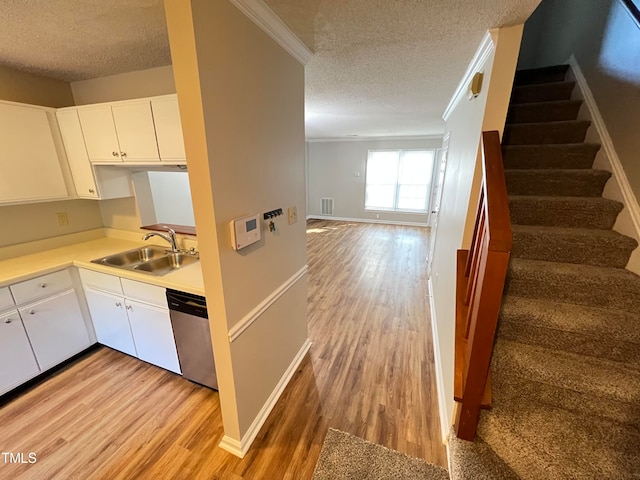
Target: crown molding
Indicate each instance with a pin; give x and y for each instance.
(260, 14)
(477, 63)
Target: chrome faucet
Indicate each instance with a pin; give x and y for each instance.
(170, 237)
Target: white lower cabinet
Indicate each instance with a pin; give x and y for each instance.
(131, 317)
(110, 320)
(56, 328)
(153, 335)
(17, 361)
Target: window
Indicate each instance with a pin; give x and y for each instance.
(398, 180)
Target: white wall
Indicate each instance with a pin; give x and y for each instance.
(171, 197)
(241, 102)
(466, 119)
(124, 86)
(337, 170)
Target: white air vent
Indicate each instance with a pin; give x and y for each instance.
(327, 206)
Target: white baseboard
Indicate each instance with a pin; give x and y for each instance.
(366, 220)
(240, 448)
(442, 398)
(628, 222)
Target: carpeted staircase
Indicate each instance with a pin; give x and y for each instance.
(566, 363)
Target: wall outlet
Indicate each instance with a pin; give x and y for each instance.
(63, 219)
(292, 215)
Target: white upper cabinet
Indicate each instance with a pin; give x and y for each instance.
(136, 132)
(100, 133)
(30, 168)
(166, 116)
(81, 169)
(119, 132)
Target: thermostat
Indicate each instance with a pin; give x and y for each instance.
(245, 231)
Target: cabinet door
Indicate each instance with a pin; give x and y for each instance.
(56, 328)
(77, 156)
(153, 335)
(110, 321)
(136, 133)
(17, 363)
(99, 133)
(166, 117)
(29, 164)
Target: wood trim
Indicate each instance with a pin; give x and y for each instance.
(263, 306)
(331, 218)
(181, 229)
(498, 221)
(260, 14)
(240, 448)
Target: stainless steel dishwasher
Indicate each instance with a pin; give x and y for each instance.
(190, 323)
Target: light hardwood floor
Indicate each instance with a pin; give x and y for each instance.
(369, 372)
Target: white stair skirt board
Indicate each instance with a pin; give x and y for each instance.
(367, 220)
(240, 448)
(445, 426)
(619, 189)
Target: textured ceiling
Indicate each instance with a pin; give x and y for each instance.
(381, 67)
(389, 67)
(82, 39)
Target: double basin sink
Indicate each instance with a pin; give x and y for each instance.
(151, 259)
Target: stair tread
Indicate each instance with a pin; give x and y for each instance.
(529, 76)
(572, 200)
(590, 375)
(545, 84)
(618, 325)
(521, 266)
(541, 441)
(573, 232)
(545, 103)
(554, 124)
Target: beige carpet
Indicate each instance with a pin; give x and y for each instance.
(345, 456)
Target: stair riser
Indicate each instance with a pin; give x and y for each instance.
(544, 112)
(542, 93)
(579, 156)
(571, 342)
(570, 250)
(571, 289)
(514, 387)
(558, 184)
(554, 214)
(545, 133)
(541, 75)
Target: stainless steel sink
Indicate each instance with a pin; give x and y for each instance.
(151, 259)
(167, 263)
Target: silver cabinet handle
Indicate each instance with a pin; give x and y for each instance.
(8, 320)
(91, 190)
(43, 285)
(32, 312)
(115, 154)
(123, 154)
(118, 304)
(129, 307)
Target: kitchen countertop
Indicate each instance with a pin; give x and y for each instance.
(187, 279)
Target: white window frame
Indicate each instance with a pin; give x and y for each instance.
(397, 189)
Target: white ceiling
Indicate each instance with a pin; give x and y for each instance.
(381, 67)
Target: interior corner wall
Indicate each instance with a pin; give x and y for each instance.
(244, 138)
(465, 123)
(337, 170)
(125, 86)
(605, 40)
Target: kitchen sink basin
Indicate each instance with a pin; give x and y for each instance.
(151, 259)
(167, 263)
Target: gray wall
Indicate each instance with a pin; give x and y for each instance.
(605, 41)
(332, 173)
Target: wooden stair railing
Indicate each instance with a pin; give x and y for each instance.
(480, 276)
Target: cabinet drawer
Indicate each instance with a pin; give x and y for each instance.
(101, 281)
(144, 292)
(6, 300)
(41, 286)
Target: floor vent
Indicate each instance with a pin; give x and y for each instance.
(327, 206)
